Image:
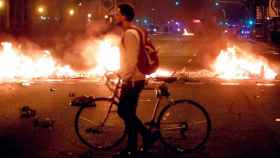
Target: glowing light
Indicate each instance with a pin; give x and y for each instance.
(15, 65)
(145, 21)
(186, 33)
(2, 4)
(108, 57)
(106, 16)
(89, 15)
(161, 73)
(71, 12)
(230, 84)
(232, 65)
(41, 9)
(265, 84)
(196, 21)
(250, 22)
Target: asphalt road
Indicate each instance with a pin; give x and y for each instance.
(245, 115)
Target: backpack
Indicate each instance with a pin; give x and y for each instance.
(148, 61)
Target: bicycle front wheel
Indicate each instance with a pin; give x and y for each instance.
(184, 126)
(99, 127)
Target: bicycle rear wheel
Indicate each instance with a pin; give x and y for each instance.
(185, 126)
(98, 128)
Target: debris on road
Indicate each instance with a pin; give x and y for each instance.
(52, 89)
(43, 123)
(27, 112)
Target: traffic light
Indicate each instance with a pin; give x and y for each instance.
(250, 22)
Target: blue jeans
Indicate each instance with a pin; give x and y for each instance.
(127, 111)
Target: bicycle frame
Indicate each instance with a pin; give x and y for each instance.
(160, 92)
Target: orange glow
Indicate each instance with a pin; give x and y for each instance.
(161, 73)
(231, 64)
(2, 4)
(186, 33)
(108, 56)
(41, 9)
(15, 65)
(71, 12)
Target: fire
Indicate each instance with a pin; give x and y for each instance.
(232, 65)
(186, 33)
(108, 57)
(15, 65)
(161, 73)
(101, 55)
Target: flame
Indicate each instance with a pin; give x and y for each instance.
(160, 73)
(186, 33)
(230, 65)
(108, 57)
(15, 65)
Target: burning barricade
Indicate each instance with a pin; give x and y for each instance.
(233, 64)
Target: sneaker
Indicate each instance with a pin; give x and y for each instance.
(149, 140)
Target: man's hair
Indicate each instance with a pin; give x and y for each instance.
(127, 11)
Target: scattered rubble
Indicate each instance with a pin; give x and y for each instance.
(43, 123)
(52, 89)
(27, 112)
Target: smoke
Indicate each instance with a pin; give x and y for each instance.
(79, 50)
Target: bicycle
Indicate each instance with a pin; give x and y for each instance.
(99, 129)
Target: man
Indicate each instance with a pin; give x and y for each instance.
(133, 81)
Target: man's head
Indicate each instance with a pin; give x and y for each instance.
(125, 13)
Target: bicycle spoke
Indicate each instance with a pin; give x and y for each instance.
(85, 119)
(184, 125)
(99, 127)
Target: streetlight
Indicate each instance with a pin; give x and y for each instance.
(2, 4)
(71, 12)
(41, 9)
(89, 15)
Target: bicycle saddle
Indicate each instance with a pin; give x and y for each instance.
(83, 101)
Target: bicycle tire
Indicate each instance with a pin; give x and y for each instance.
(96, 137)
(177, 135)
